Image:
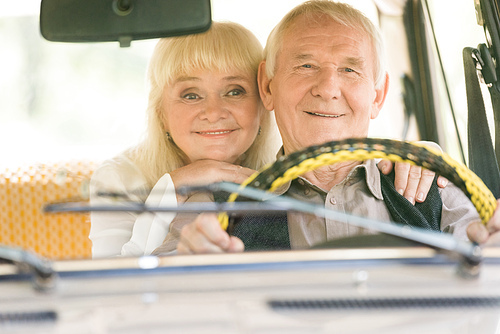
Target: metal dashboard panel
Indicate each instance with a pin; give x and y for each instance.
(237, 293)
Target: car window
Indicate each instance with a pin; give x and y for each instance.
(457, 20)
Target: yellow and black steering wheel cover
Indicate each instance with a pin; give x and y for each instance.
(289, 167)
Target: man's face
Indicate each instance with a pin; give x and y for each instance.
(324, 87)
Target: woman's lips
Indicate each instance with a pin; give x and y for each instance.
(214, 132)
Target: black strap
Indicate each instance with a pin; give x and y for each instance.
(426, 215)
(482, 157)
(262, 232)
(259, 232)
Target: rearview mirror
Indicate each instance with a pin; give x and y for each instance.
(121, 20)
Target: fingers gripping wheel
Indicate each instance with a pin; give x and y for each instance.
(290, 167)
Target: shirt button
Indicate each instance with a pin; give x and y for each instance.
(307, 191)
(301, 182)
(333, 200)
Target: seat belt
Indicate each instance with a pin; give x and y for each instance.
(482, 157)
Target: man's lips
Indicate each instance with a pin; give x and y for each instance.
(323, 115)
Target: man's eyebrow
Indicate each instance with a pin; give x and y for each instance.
(303, 56)
(356, 61)
(353, 61)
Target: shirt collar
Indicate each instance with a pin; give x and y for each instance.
(372, 177)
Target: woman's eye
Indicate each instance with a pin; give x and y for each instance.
(347, 69)
(306, 66)
(235, 92)
(190, 96)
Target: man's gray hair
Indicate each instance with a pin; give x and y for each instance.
(339, 12)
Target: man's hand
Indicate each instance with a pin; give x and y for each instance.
(486, 235)
(413, 182)
(205, 235)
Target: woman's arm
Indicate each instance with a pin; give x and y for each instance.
(131, 234)
(126, 233)
(413, 182)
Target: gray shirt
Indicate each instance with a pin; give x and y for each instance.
(360, 194)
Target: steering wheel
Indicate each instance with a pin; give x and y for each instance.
(289, 167)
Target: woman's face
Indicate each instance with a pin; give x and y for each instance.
(212, 115)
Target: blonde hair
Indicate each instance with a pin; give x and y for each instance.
(339, 12)
(225, 46)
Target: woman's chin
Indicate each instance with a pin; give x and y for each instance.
(222, 156)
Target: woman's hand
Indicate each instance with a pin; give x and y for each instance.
(413, 182)
(204, 172)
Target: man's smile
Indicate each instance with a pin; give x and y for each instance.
(323, 115)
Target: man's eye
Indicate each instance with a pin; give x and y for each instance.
(307, 66)
(347, 69)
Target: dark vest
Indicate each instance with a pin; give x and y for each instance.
(271, 232)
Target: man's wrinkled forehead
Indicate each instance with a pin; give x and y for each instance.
(354, 61)
(304, 21)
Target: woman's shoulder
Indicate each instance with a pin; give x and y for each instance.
(119, 173)
(119, 164)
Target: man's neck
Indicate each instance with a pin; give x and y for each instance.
(328, 176)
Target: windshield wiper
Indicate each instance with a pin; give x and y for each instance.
(42, 275)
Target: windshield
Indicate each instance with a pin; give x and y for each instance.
(65, 108)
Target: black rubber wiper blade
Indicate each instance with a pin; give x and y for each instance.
(43, 276)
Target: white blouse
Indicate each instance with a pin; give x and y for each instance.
(128, 233)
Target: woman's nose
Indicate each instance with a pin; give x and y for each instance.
(213, 110)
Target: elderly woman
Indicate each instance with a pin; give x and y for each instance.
(206, 123)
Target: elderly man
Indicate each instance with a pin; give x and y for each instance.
(323, 74)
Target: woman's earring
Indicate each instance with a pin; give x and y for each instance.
(260, 130)
(167, 134)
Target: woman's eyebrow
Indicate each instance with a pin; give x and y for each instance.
(235, 78)
(185, 78)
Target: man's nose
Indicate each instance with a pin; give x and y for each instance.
(213, 110)
(327, 84)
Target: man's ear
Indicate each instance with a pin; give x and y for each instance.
(381, 94)
(265, 87)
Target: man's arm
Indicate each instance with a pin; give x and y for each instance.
(205, 235)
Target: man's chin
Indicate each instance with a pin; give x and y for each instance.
(315, 142)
